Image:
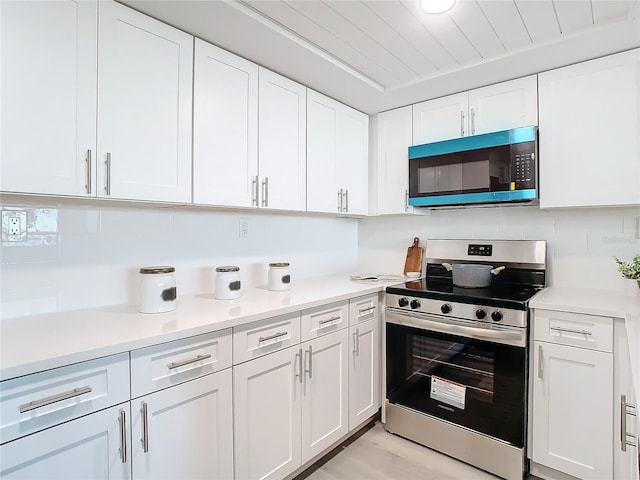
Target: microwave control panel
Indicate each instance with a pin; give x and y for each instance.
(523, 165)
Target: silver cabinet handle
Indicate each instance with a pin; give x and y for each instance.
(310, 371)
(265, 192)
(346, 203)
(88, 185)
(271, 337)
(365, 310)
(626, 409)
(462, 123)
(332, 319)
(355, 342)
(473, 122)
(406, 200)
(182, 363)
(145, 427)
(570, 330)
(254, 191)
(53, 399)
(299, 362)
(356, 338)
(107, 187)
(340, 200)
(123, 435)
(540, 361)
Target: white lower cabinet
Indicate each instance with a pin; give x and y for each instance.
(364, 372)
(184, 431)
(266, 413)
(325, 394)
(86, 448)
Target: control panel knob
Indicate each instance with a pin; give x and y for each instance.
(481, 313)
(415, 303)
(445, 308)
(403, 302)
(496, 316)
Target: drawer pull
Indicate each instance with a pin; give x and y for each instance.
(271, 337)
(54, 398)
(332, 319)
(626, 409)
(368, 309)
(188, 361)
(570, 330)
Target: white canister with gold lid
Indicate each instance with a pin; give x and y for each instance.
(158, 293)
(228, 284)
(279, 277)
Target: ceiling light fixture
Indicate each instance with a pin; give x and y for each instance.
(436, 6)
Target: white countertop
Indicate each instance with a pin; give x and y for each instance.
(34, 343)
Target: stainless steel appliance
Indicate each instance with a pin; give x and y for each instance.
(456, 358)
(493, 167)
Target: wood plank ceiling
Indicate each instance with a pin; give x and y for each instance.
(378, 54)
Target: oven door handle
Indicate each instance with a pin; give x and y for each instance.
(417, 320)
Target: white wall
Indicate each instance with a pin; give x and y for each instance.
(86, 256)
(581, 243)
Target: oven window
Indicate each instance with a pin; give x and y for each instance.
(476, 384)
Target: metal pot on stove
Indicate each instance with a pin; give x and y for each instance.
(472, 275)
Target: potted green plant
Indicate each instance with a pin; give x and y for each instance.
(631, 272)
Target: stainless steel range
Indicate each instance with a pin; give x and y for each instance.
(456, 358)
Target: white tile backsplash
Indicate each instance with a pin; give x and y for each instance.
(581, 243)
(85, 256)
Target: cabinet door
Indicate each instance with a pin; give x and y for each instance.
(282, 144)
(589, 124)
(225, 128)
(572, 423)
(441, 119)
(48, 97)
(364, 372)
(504, 105)
(88, 447)
(325, 404)
(322, 124)
(144, 107)
(266, 415)
(352, 160)
(189, 430)
(394, 138)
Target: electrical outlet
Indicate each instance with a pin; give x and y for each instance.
(243, 227)
(14, 225)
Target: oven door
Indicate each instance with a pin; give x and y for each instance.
(453, 370)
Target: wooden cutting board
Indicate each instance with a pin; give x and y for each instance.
(413, 263)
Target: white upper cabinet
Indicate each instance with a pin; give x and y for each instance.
(225, 128)
(394, 136)
(493, 108)
(144, 107)
(282, 147)
(441, 119)
(589, 124)
(48, 99)
(337, 156)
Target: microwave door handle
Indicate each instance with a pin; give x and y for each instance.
(419, 321)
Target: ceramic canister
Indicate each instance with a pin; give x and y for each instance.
(279, 278)
(227, 282)
(158, 291)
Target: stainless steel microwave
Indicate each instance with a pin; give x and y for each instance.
(493, 167)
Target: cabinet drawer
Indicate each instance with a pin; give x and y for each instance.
(578, 330)
(161, 366)
(363, 308)
(41, 400)
(265, 336)
(324, 319)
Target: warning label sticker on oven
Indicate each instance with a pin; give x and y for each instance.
(448, 392)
